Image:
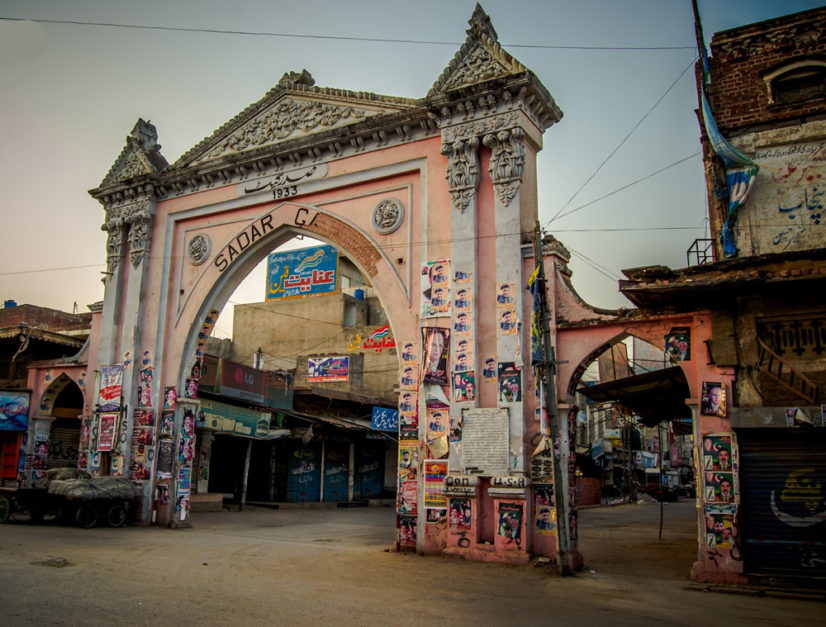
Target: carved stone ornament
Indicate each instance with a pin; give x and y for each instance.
(114, 242)
(284, 118)
(507, 162)
(388, 216)
(462, 170)
(199, 248)
(140, 232)
(479, 66)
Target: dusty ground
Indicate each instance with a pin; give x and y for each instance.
(330, 566)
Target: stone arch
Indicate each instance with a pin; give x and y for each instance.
(325, 226)
(61, 384)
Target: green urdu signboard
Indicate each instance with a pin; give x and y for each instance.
(230, 419)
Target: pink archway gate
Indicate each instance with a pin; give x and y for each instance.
(400, 185)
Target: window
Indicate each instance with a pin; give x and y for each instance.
(800, 82)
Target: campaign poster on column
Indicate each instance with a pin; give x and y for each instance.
(408, 459)
(302, 272)
(108, 429)
(435, 346)
(408, 497)
(407, 531)
(435, 286)
(111, 386)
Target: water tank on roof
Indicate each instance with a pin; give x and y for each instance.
(359, 294)
(9, 303)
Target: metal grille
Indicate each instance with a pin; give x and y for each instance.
(783, 503)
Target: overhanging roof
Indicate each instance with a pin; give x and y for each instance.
(654, 396)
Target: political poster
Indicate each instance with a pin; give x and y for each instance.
(328, 369)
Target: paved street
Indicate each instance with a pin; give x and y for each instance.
(330, 567)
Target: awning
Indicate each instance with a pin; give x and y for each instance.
(654, 396)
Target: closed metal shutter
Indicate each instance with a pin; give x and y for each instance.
(783, 501)
(64, 440)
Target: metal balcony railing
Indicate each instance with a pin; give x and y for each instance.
(701, 251)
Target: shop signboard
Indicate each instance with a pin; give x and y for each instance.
(328, 369)
(303, 272)
(14, 410)
(230, 419)
(241, 382)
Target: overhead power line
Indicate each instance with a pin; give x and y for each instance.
(624, 139)
(246, 33)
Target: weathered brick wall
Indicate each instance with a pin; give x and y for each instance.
(44, 318)
(740, 58)
(588, 491)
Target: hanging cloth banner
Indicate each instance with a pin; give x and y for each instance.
(537, 348)
(741, 173)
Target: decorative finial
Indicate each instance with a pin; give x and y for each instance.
(480, 24)
(293, 79)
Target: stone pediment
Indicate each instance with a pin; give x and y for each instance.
(294, 109)
(480, 59)
(141, 155)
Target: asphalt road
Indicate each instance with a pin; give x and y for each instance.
(317, 567)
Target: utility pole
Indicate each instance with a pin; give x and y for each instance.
(547, 370)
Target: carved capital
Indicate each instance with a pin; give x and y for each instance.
(139, 218)
(507, 162)
(462, 170)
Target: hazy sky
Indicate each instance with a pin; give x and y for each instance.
(70, 94)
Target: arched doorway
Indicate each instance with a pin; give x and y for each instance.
(63, 401)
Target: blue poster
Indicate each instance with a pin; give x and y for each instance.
(14, 410)
(302, 272)
(385, 419)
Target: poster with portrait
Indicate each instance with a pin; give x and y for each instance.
(489, 372)
(436, 515)
(408, 497)
(510, 521)
(408, 459)
(145, 387)
(409, 376)
(435, 289)
(407, 531)
(167, 423)
(678, 344)
(438, 419)
(435, 348)
(545, 510)
(510, 382)
(107, 431)
(409, 353)
(462, 353)
(460, 518)
(464, 386)
(435, 472)
(721, 526)
(463, 301)
(508, 320)
(718, 452)
(713, 401)
(409, 425)
(718, 486)
(170, 396)
(111, 387)
(463, 324)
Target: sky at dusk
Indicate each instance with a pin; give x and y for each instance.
(71, 93)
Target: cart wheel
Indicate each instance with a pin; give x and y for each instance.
(86, 517)
(116, 517)
(5, 509)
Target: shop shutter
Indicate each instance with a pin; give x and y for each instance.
(304, 475)
(64, 440)
(783, 501)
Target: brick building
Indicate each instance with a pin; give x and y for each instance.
(765, 163)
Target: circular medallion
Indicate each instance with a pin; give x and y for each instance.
(199, 249)
(388, 216)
